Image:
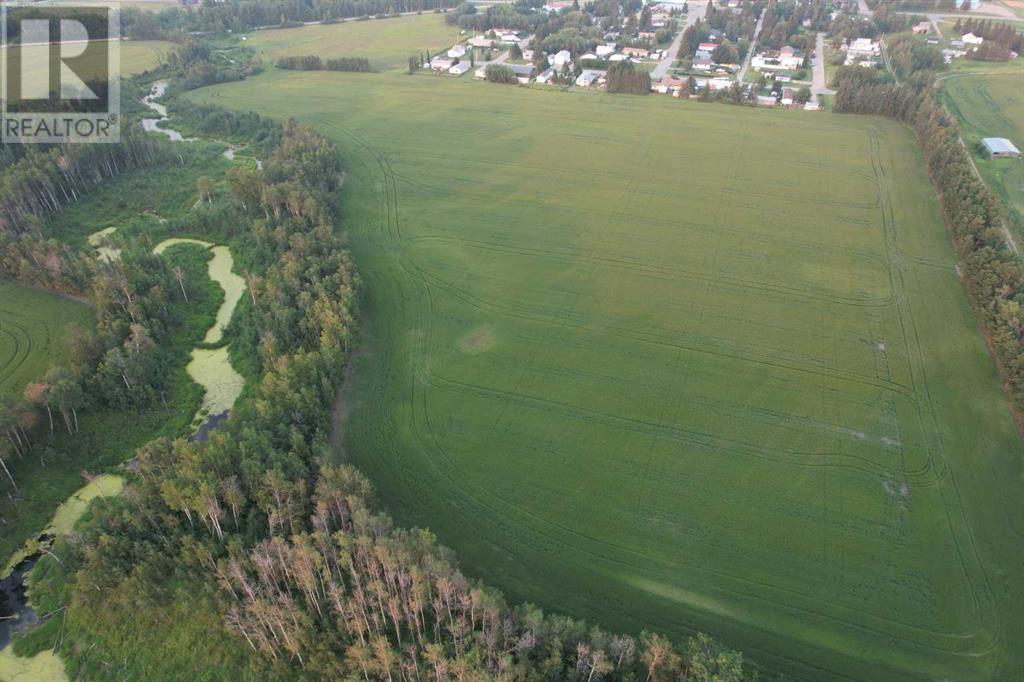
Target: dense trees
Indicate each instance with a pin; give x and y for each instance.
(314, 63)
(624, 77)
(499, 73)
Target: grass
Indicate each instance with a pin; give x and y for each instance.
(33, 325)
(725, 379)
(990, 103)
(387, 43)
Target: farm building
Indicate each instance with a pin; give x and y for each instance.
(459, 69)
(524, 72)
(1000, 148)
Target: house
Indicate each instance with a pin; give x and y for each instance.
(932, 41)
(635, 51)
(457, 51)
(812, 105)
(509, 38)
(459, 69)
(588, 78)
(702, 54)
(441, 64)
(528, 55)
(971, 39)
(560, 59)
(922, 29)
(482, 42)
(524, 72)
(605, 50)
(787, 97)
(617, 58)
(766, 100)
(546, 76)
(864, 47)
(702, 65)
(1000, 148)
(589, 55)
(787, 59)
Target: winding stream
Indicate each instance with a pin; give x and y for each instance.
(211, 368)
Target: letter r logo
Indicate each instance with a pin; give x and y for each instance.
(74, 40)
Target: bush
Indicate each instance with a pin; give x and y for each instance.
(499, 73)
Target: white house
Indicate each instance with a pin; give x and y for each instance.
(589, 55)
(546, 76)
(457, 51)
(863, 47)
(441, 64)
(481, 41)
(560, 59)
(617, 58)
(605, 50)
(971, 39)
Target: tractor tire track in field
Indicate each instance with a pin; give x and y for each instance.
(983, 602)
(22, 342)
(506, 509)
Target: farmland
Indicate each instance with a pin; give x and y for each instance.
(135, 57)
(716, 379)
(32, 333)
(387, 43)
(990, 103)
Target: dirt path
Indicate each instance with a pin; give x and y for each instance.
(750, 52)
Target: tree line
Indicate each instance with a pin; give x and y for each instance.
(315, 63)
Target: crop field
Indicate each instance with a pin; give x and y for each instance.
(387, 43)
(991, 104)
(32, 327)
(135, 57)
(677, 366)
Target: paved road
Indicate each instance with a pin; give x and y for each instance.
(665, 64)
(820, 86)
(750, 53)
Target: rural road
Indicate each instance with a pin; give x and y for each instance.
(820, 86)
(750, 52)
(659, 71)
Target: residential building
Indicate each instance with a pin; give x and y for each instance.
(457, 51)
(605, 50)
(588, 78)
(863, 47)
(787, 97)
(704, 65)
(971, 39)
(635, 51)
(766, 100)
(441, 64)
(560, 59)
(459, 69)
(546, 76)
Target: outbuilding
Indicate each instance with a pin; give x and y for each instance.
(1000, 148)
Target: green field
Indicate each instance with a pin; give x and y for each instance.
(990, 103)
(32, 333)
(387, 43)
(678, 366)
(135, 57)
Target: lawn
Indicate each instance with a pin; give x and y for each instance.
(387, 43)
(990, 103)
(33, 328)
(672, 365)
